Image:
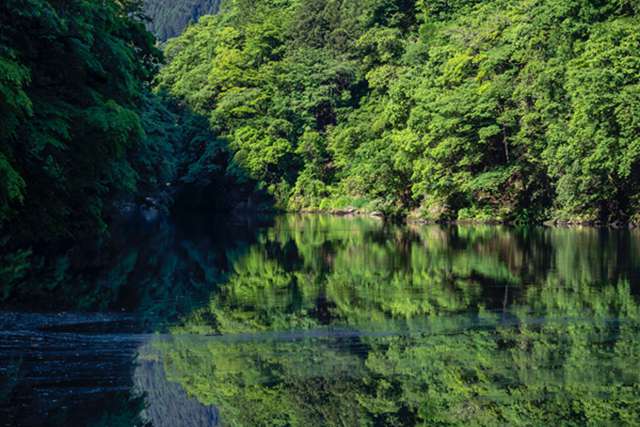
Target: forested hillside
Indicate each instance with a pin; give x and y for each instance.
(508, 110)
(80, 132)
(168, 18)
(501, 110)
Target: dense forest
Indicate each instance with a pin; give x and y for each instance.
(82, 136)
(501, 110)
(168, 18)
(125, 125)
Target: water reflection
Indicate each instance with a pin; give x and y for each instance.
(314, 320)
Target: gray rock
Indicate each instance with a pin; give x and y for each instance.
(150, 214)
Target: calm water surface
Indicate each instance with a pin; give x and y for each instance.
(314, 321)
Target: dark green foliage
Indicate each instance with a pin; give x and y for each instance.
(81, 135)
(179, 153)
(168, 18)
(499, 110)
(73, 75)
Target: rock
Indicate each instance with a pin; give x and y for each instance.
(150, 214)
(127, 209)
(345, 211)
(377, 214)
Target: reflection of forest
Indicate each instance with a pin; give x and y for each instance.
(319, 320)
(159, 271)
(479, 325)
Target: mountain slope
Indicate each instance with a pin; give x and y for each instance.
(501, 110)
(170, 17)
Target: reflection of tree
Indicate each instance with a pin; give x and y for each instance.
(266, 382)
(167, 404)
(333, 321)
(527, 371)
(359, 270)
(445, 326)
(535, 371)
(159, 271)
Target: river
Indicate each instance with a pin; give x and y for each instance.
(311, 320)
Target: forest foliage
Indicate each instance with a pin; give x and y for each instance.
(73, 75)
(80, 130)
(507, 110)
(168, 18)
(502, 110)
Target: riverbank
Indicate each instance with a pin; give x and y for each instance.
(411, 218)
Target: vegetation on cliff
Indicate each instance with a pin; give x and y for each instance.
(515, 110)
(508, 110)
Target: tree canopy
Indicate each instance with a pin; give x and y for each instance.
(73, 77)
(500, 110)
(80, 130)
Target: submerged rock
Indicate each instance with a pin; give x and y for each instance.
(150, 214)
(345, 211)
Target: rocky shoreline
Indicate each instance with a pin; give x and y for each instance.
(154, 207)
(354, 212)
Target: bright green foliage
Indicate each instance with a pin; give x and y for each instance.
(257, 94)
(501, 110)
(598, 158)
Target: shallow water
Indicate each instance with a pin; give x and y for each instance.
(314, 320)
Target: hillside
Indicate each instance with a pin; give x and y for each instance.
(82, 139)
(501, 110)
(170, 17)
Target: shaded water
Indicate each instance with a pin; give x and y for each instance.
(313, 320)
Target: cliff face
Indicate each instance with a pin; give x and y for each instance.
(170, 17)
